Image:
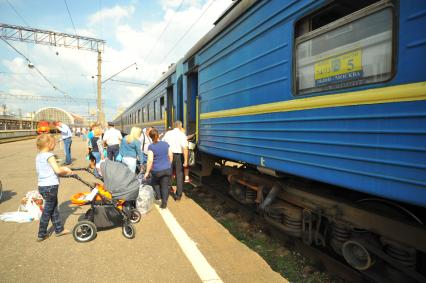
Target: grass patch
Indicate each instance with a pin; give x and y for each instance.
(291, 265)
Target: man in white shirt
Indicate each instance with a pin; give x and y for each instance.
(112, 138)
(66, 137)
(179, 146)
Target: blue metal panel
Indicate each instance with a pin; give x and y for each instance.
(378, 149)
(250, 63)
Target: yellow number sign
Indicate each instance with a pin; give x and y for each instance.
(339, 68)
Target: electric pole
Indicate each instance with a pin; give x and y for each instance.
(101, 116)
(52, 38)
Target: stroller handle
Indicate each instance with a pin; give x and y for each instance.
(75, 176)
(87, 170)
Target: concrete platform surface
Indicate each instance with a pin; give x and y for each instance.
(155, 255)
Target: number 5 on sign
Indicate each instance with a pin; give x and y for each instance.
(338, 65)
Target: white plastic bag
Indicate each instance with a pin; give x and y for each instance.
(145, 199)
(32, 203)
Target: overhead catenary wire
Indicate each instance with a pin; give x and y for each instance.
(38, 71)
(26, 23)
(69, 14)
(17, 13)
(187, 31)
(127, 82)
(164, 29)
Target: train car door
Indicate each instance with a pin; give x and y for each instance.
(179, 100)
(170, 107)
(191, 103)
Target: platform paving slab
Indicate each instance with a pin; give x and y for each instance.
(153, 256)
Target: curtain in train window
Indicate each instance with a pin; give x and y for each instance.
(352, 54)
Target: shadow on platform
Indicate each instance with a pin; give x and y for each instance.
(7, 195)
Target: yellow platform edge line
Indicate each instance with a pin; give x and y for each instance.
(407, 92)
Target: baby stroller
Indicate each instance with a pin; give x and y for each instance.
(111, 204)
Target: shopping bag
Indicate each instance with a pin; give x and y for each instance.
(145, 200)
(32, 203)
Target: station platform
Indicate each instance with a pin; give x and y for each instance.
(182, 243)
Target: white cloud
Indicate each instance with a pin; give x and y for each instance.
(72, 70)
(115, 13)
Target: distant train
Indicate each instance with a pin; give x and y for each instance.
(45, 127)
(323, 103)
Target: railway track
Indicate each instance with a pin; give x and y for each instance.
(217, 186)
(15, 139)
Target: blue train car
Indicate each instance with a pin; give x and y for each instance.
(150, 108)
(330, 92)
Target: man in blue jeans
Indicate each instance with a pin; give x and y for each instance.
(66, 138)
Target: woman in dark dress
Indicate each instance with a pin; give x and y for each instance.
(160, 158)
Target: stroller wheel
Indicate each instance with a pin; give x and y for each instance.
(84, 231)
(129, 231)
(135, 216)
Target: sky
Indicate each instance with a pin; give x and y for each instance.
(151, 33)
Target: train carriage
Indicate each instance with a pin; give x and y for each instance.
(339, 99)
(150, 109)
(329, 91)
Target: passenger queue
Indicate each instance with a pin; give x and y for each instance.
(141, 151)
(145, 152)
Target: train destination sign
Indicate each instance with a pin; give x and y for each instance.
(340, 68)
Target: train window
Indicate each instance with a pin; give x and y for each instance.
(150, 112)
(145, 114)
(139, 116)
(350, 51)
(155, 110)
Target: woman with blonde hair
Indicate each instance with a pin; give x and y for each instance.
(130, 149)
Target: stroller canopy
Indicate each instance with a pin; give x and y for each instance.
(119, 180)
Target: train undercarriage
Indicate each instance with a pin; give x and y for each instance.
(383, 240)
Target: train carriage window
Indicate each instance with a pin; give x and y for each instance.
(139, 116)
(145, 114)
(350, 51)
(150, 112)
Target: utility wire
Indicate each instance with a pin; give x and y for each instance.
(41, 74)
(165, 28)
(187, 31)
(26, 23)
(127, 82)
(69, 14)
(19, 15)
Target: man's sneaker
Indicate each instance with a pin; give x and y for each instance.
(163, 206)
(64, 232)
(187, 180)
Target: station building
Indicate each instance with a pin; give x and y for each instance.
(54, 114)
